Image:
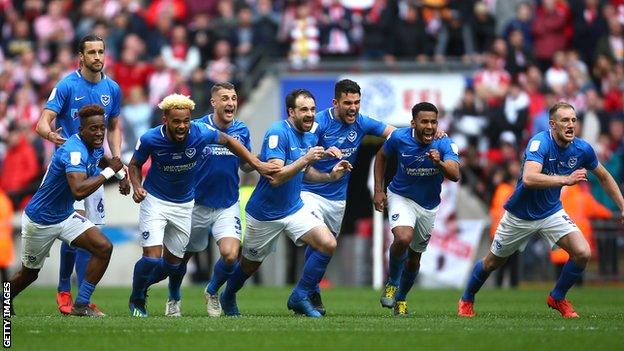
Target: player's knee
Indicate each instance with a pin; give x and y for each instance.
(30, 275)
(104, 250)
(230, 257)
(491, 262)
(328, 246)
(402, 238)
(581, 255)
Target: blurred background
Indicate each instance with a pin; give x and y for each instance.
(493, 67)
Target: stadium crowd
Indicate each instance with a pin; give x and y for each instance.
(532, 53)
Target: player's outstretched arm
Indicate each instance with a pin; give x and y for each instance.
(532, 177)
(610, 186)
(379, 172)
(44, 128)
(289, 171)
(449, 168)
(82, 186)
(313, 175)
(136, 178)
(113, 136)
(266, 169)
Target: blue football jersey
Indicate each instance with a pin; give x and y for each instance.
(533, 204)
(417, 177)
(330, 131)
(74, 92)
(267, 203)
(54, 202)
(171, 176)
(217, 179)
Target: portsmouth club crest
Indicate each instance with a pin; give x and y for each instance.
(572, 162)
(190, 152)
(105, 99)
(352, 135)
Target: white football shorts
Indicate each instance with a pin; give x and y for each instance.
(405, 212)
(38, 238)
(220, 222)
(332, 211)
(165, 223)
(514, 233)
(261, 236)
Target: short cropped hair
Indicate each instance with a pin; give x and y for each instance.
(90, 110)
(89, 37)
(221, 85)
(346, 86)
(293, 95)
(176, 102)
(556, 107)
(423, 106)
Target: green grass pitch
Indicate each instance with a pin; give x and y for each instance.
(507, 320)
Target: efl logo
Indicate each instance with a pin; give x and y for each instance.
(6, 315)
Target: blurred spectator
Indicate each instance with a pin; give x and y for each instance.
(521, 22)
(611, 45)
(130, 72)
(540, 122)
(335, 27)
(595, 120)
(158, 38)
(304, 39)
(548, 30)
(455, 39)
(518, 56)
(410, 38)
(199, 95)
(507, 11)
(54, 28)
(159, 82)
(19, 40)
(7, 252)
(179, 54)
(556, 75)
(136, 114)
(589, 27)
(20, 172)
(29, 69)
(378, 23)
(265, 27)
(174, 9)
(492, 82)
(24, 109)
(483, 28)
(202, 36)
(504, 179)
(244, 40)
(224, 23)
(220, 68)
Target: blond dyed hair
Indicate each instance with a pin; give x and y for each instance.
(176, 102)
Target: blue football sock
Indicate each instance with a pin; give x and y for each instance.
(82, 261)
(176, 274)
(84, 293)
(570, 274)
(220, 275)
(68, 257)
(142, 271)
(158, 274)
(308, 251)
(236, 281)
(407, 281)
(395, 268)
(477, 278)
(313, 272)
